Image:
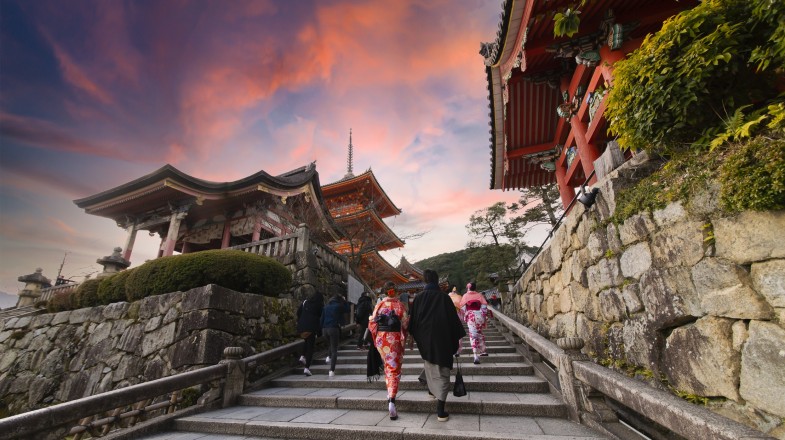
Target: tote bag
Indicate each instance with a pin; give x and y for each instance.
(459, 388)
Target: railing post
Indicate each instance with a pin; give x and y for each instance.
(303, 237)
(581, 399)
(235, 375)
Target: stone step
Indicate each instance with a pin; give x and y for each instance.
(491, 348)
(476, 402)
(309, 423)
(513, 384)
(487, 367)
(360, 356)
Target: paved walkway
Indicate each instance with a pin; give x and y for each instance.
(505, 401)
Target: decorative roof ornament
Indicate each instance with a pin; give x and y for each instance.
(350, 158)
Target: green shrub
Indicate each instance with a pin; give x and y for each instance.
(236, 270)
(753, 176)
(86, 294)
(709, 68)
(60, 302)
(112, 288)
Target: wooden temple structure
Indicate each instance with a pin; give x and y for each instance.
(191, 214)
(359, 205)
(546, 92)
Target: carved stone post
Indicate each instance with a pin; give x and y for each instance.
(235, 375)
(570, 387)
(303, 237)
(113, 263)
(33, 285)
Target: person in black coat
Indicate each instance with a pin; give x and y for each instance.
(309, 316)
(361, 314)
(332, 321)
(436, 329)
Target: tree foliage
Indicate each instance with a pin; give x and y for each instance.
(684, 86)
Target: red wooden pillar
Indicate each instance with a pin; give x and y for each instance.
(565, 191)
(227, 235)
(257, 229)
(587, 152)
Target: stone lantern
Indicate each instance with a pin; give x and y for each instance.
(113, 263)
(33, 285)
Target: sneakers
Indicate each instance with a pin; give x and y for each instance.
(393, 411)
(307, 372)
(302, 360)
(331, 373)
(484, 354)
(327, 360)
(476, 360)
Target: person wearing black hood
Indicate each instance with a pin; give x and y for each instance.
(361, 314)
(332, 320)
(309, 315)
(436, 329)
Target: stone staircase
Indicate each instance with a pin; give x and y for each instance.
(505, 401)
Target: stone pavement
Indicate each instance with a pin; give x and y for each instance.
(505, 401)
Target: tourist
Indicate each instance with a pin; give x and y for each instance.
(456, 300)
(388, 325)
(475, 313)
(361, 314)
(332, 320)
(436, 329)
(309, 315)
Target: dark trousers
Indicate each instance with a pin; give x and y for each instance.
(333, 336)
(310, 342)
(361, 339)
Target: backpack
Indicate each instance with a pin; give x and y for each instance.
(388, 322)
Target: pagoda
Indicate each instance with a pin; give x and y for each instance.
(191, 214)
(359, 205)
(547, 92)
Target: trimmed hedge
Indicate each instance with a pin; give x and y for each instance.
(753, 176)
(86, 294)
(112, 289)
(236, 270)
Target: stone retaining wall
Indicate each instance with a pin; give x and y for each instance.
(688, 298)
(53, 358)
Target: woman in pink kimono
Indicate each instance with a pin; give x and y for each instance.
(476, 312)
(388, 325)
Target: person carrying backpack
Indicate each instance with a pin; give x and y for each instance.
(361, 314)
(388, 325)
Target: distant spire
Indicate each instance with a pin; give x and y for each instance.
(349, 160)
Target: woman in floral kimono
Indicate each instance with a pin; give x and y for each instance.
(388, 325)
(476, 313)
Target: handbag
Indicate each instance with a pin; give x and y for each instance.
(305, 335)
(459, 388)
(388, 322)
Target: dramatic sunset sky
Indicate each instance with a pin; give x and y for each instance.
(97, 93)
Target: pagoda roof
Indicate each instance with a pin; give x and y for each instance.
(169, 187)
(384, 206)
(375, 270)
(392, 240)
(407, 268)
(418, 285)
(525, 39)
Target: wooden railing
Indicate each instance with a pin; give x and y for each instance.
(594, 394)
(277, 247)
(49, 292)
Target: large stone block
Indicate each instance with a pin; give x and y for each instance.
(724, 291)
(762, 373)
(213, 296)
(593, 334)
(680, 244)
(580, 262)
(116, 310)
(636, 228)
(101, 332)
(699, 358)
(563, 325)
(205, 347)
(614, 242)
(612, 306)
(673, 213)
(579, 296)
(669, 296)
(158, 339)
(598, 244)
(131, 340)
(768, 279)
(635, 260)
(750, 236)
(642, 341)
(631, 295)
(606, 273)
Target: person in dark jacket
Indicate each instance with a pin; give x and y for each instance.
(361, 314)
(309, 315)
(436, 328)
(332, 320)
